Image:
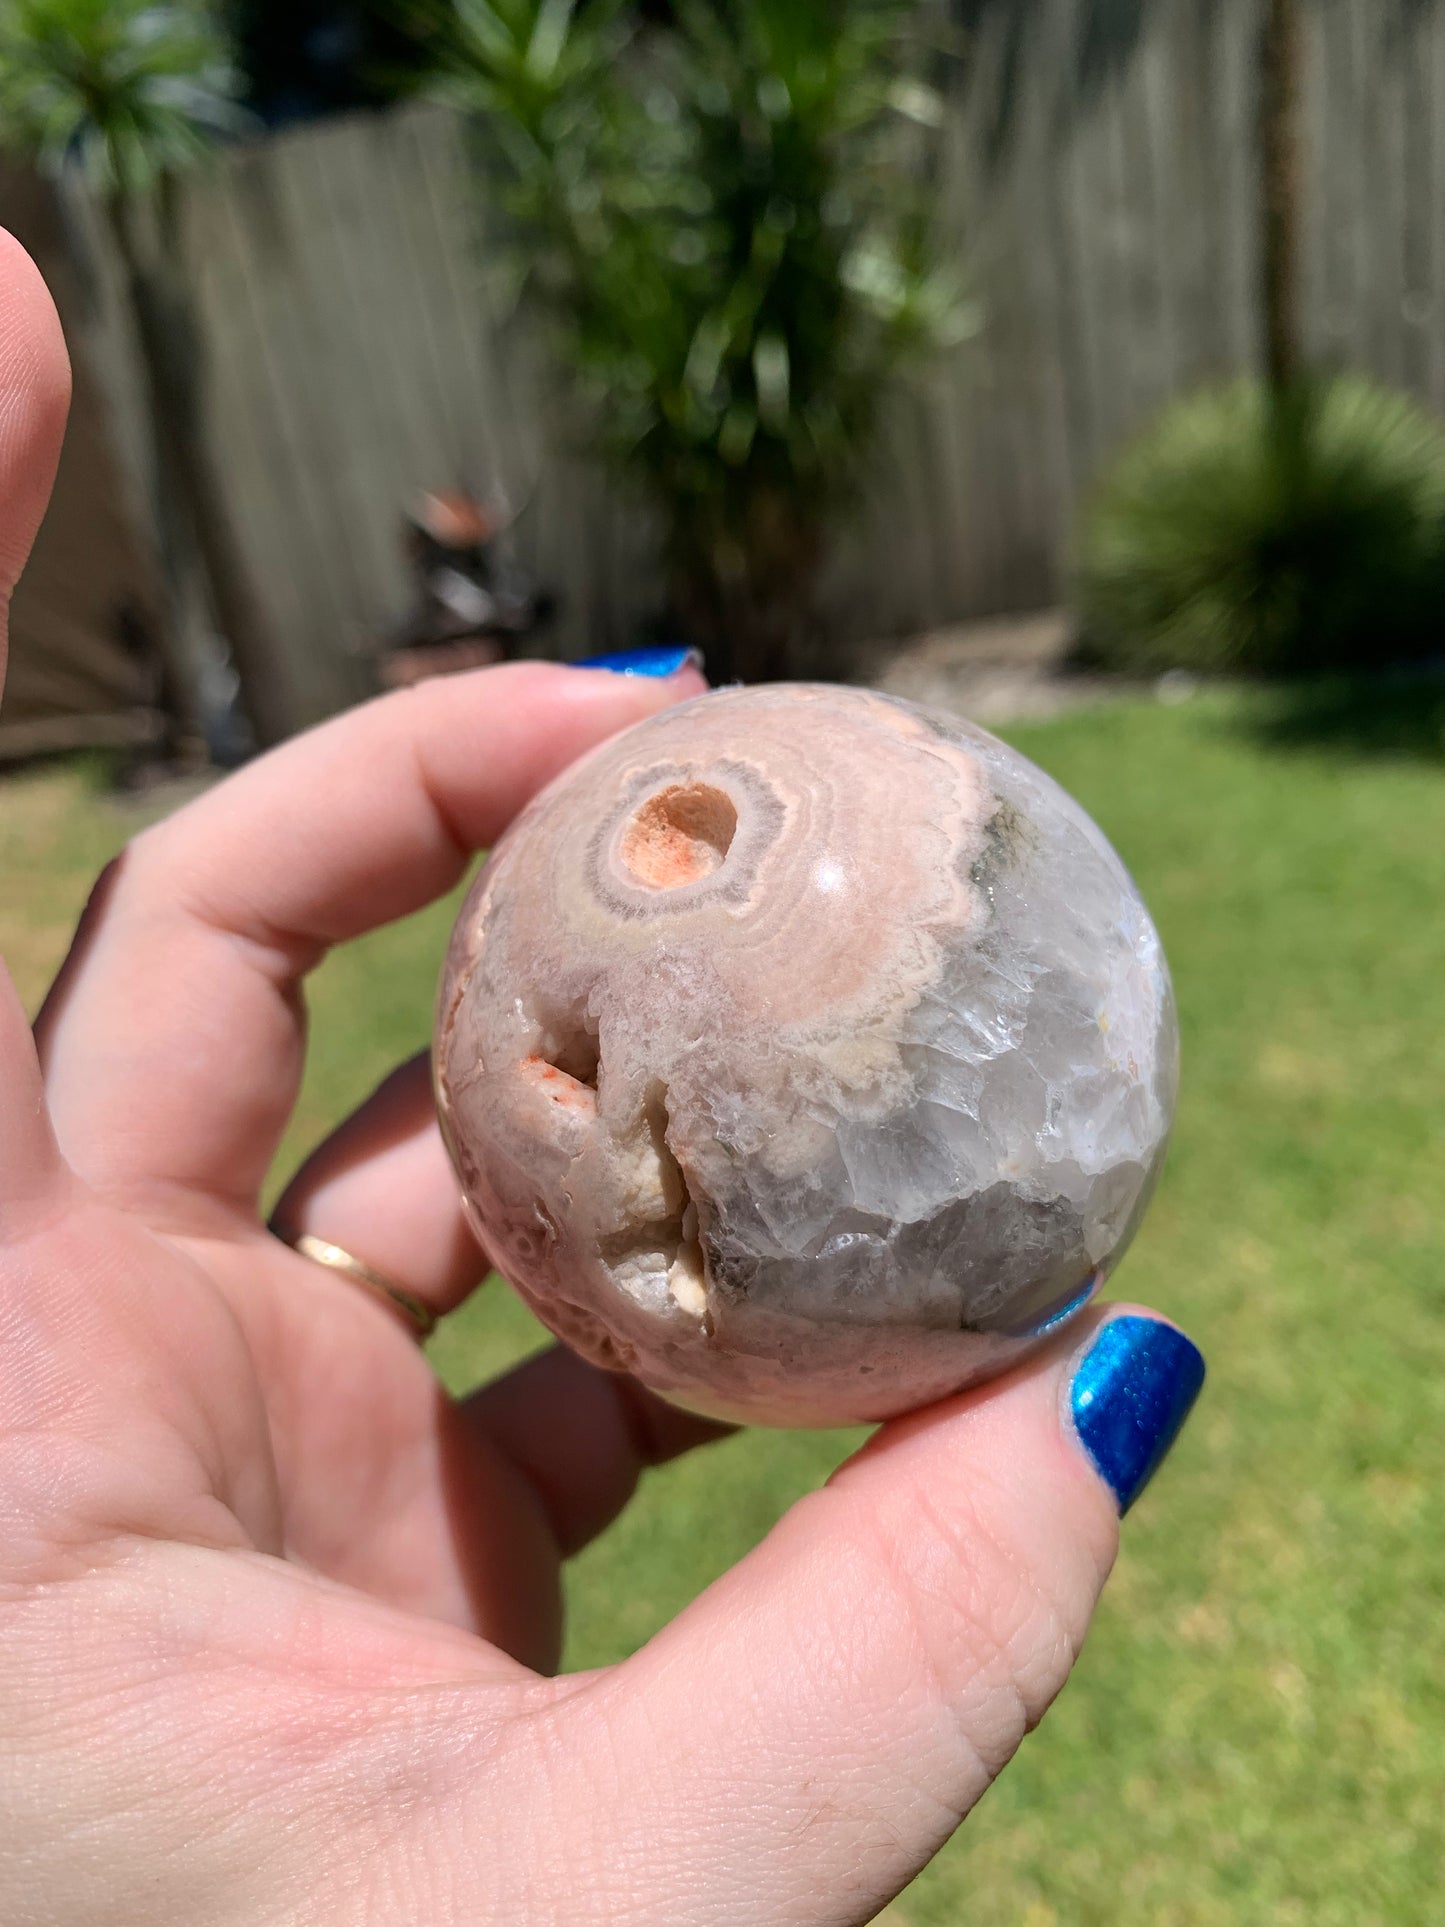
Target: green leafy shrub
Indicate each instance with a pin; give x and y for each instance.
(728, 222)
(1275, 533)
(128, 90)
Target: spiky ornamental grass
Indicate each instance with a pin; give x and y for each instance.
(1283, 534)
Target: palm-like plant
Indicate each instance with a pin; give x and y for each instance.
(728, 222)
(131, 93)
(128, 89)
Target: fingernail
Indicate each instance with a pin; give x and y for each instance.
(646, 662)
(1131, 1392)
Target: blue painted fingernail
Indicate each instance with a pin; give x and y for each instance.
(647, 662)
(1132, 1391)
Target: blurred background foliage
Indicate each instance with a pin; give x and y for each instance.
(127, 90)
(722, 217)
(1280, 533)
(726, 220)
(1284, 524)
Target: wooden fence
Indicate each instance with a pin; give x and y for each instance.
(1101, 184)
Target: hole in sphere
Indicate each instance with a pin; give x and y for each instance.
(679, 835)
(572, 1046)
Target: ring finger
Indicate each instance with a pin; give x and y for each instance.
(381, 1188)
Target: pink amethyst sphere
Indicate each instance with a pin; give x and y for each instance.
(805, 1053)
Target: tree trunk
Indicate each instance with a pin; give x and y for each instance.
(188, 482)
(1282, 59)
(744, 593)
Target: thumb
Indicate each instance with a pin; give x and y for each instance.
(798, 1743)
(34, 400)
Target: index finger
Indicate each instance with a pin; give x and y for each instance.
(173, 1038)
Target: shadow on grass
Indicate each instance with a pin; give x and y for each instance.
(1400, 717)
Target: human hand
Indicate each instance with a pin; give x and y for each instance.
(276, 1616)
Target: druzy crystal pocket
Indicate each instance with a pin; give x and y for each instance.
(806, 1053)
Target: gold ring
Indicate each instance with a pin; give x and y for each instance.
(420, 1317)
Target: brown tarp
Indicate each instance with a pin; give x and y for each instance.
(81, 673)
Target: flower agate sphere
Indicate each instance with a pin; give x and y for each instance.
(806, 1053)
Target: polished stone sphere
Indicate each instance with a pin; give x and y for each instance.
(806, 1053)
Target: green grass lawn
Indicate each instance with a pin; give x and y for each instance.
(1257, 1730)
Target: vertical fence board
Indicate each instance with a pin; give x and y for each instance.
(1416, 164)
(1432, 192)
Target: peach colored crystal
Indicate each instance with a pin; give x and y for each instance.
(806, 1053)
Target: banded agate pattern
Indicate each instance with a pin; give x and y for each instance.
(806, 1053)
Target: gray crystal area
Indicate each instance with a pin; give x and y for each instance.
(806, 1053)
